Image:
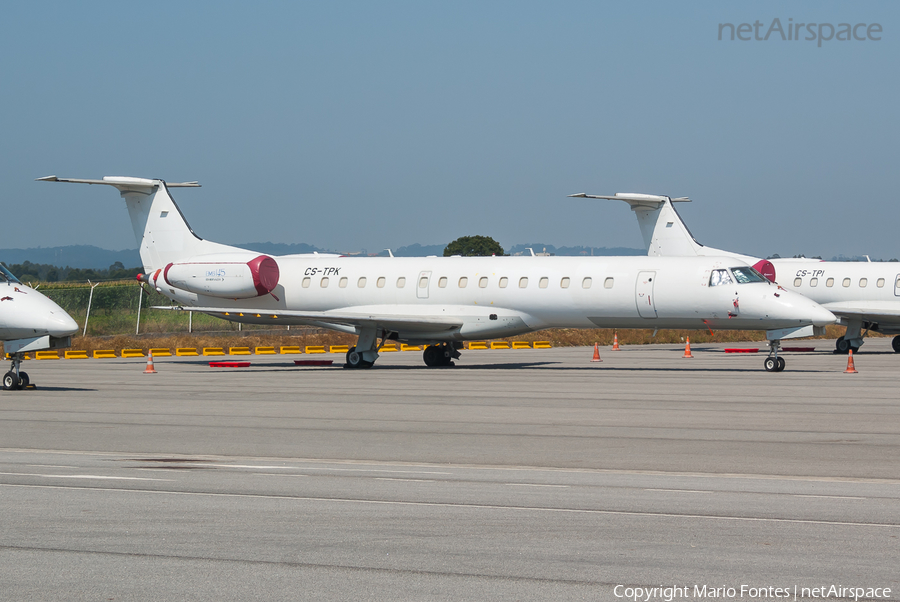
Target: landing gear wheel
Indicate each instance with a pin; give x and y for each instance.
(895, 344)
(437, 356)
(780, 364)
(355, 360)
(432, 356)
(771, 364)
(10, 381)
(23, 380)
(842, 346)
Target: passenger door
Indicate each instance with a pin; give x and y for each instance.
(643, 294)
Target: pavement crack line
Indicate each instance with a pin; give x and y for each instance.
(587, 511)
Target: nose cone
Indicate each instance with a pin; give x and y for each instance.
(821, 316)
(60, 324)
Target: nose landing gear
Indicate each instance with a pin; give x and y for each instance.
(15, 379)
(773, 363)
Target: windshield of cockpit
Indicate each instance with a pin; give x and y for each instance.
(741, 275)
(6, 276)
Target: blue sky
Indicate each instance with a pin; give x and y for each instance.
(362, 125)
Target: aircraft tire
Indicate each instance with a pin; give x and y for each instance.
(355, 360)
(895, 344)
(10, 381)
(432, 356)
(23, 380)
(770, 364)
(780, 364)
(842, 346)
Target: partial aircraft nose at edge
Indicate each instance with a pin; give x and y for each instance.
(61, 325)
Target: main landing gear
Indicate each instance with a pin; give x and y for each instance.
(773, 363)
(852, 339)
(355, 359)
(843, 346)
(15, 379)
(440, 355)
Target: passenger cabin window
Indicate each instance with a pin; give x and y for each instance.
(442, 282)
(380, 282)
(305, 283)
(523, 282)
(880, 283)
(361, 283)
(503, 282)
(482, 282)
(343, 282)
(608, 283)
(813, 281)
(463, 282)
(564, 283)
(423, 282)
(830, 282)
(543, 282)
(719, 277)
(798, 281)
(586, 283)
(863, 282)
(845, 283)
(401, 282)
(747, 275)
(324, 282)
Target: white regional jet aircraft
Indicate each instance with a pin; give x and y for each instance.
(29, 321)
(861, 294)
(442, 301)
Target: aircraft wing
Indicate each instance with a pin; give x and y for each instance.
(391, 322)
(873, 311)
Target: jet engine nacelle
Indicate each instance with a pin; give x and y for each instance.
(228, 275)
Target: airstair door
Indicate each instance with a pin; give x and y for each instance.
(643, 293)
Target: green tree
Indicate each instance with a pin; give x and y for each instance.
(473, 246)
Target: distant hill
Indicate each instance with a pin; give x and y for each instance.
(95, 258)
(574, 251)
(73, 256)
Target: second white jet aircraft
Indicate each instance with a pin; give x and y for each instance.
(29, 322)
(863, 295)
(443, 301)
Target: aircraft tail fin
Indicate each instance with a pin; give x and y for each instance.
(665, 233)
(162, 233)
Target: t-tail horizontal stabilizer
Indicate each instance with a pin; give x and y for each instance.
(665, 233)
(162, 233)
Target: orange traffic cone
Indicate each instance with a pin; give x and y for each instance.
(596, 354)
(851, 369)
(615, 341)
(150, 369)
(687, 349)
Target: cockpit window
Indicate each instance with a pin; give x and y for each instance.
(745, 275)
(6, 275)
(719, 277)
